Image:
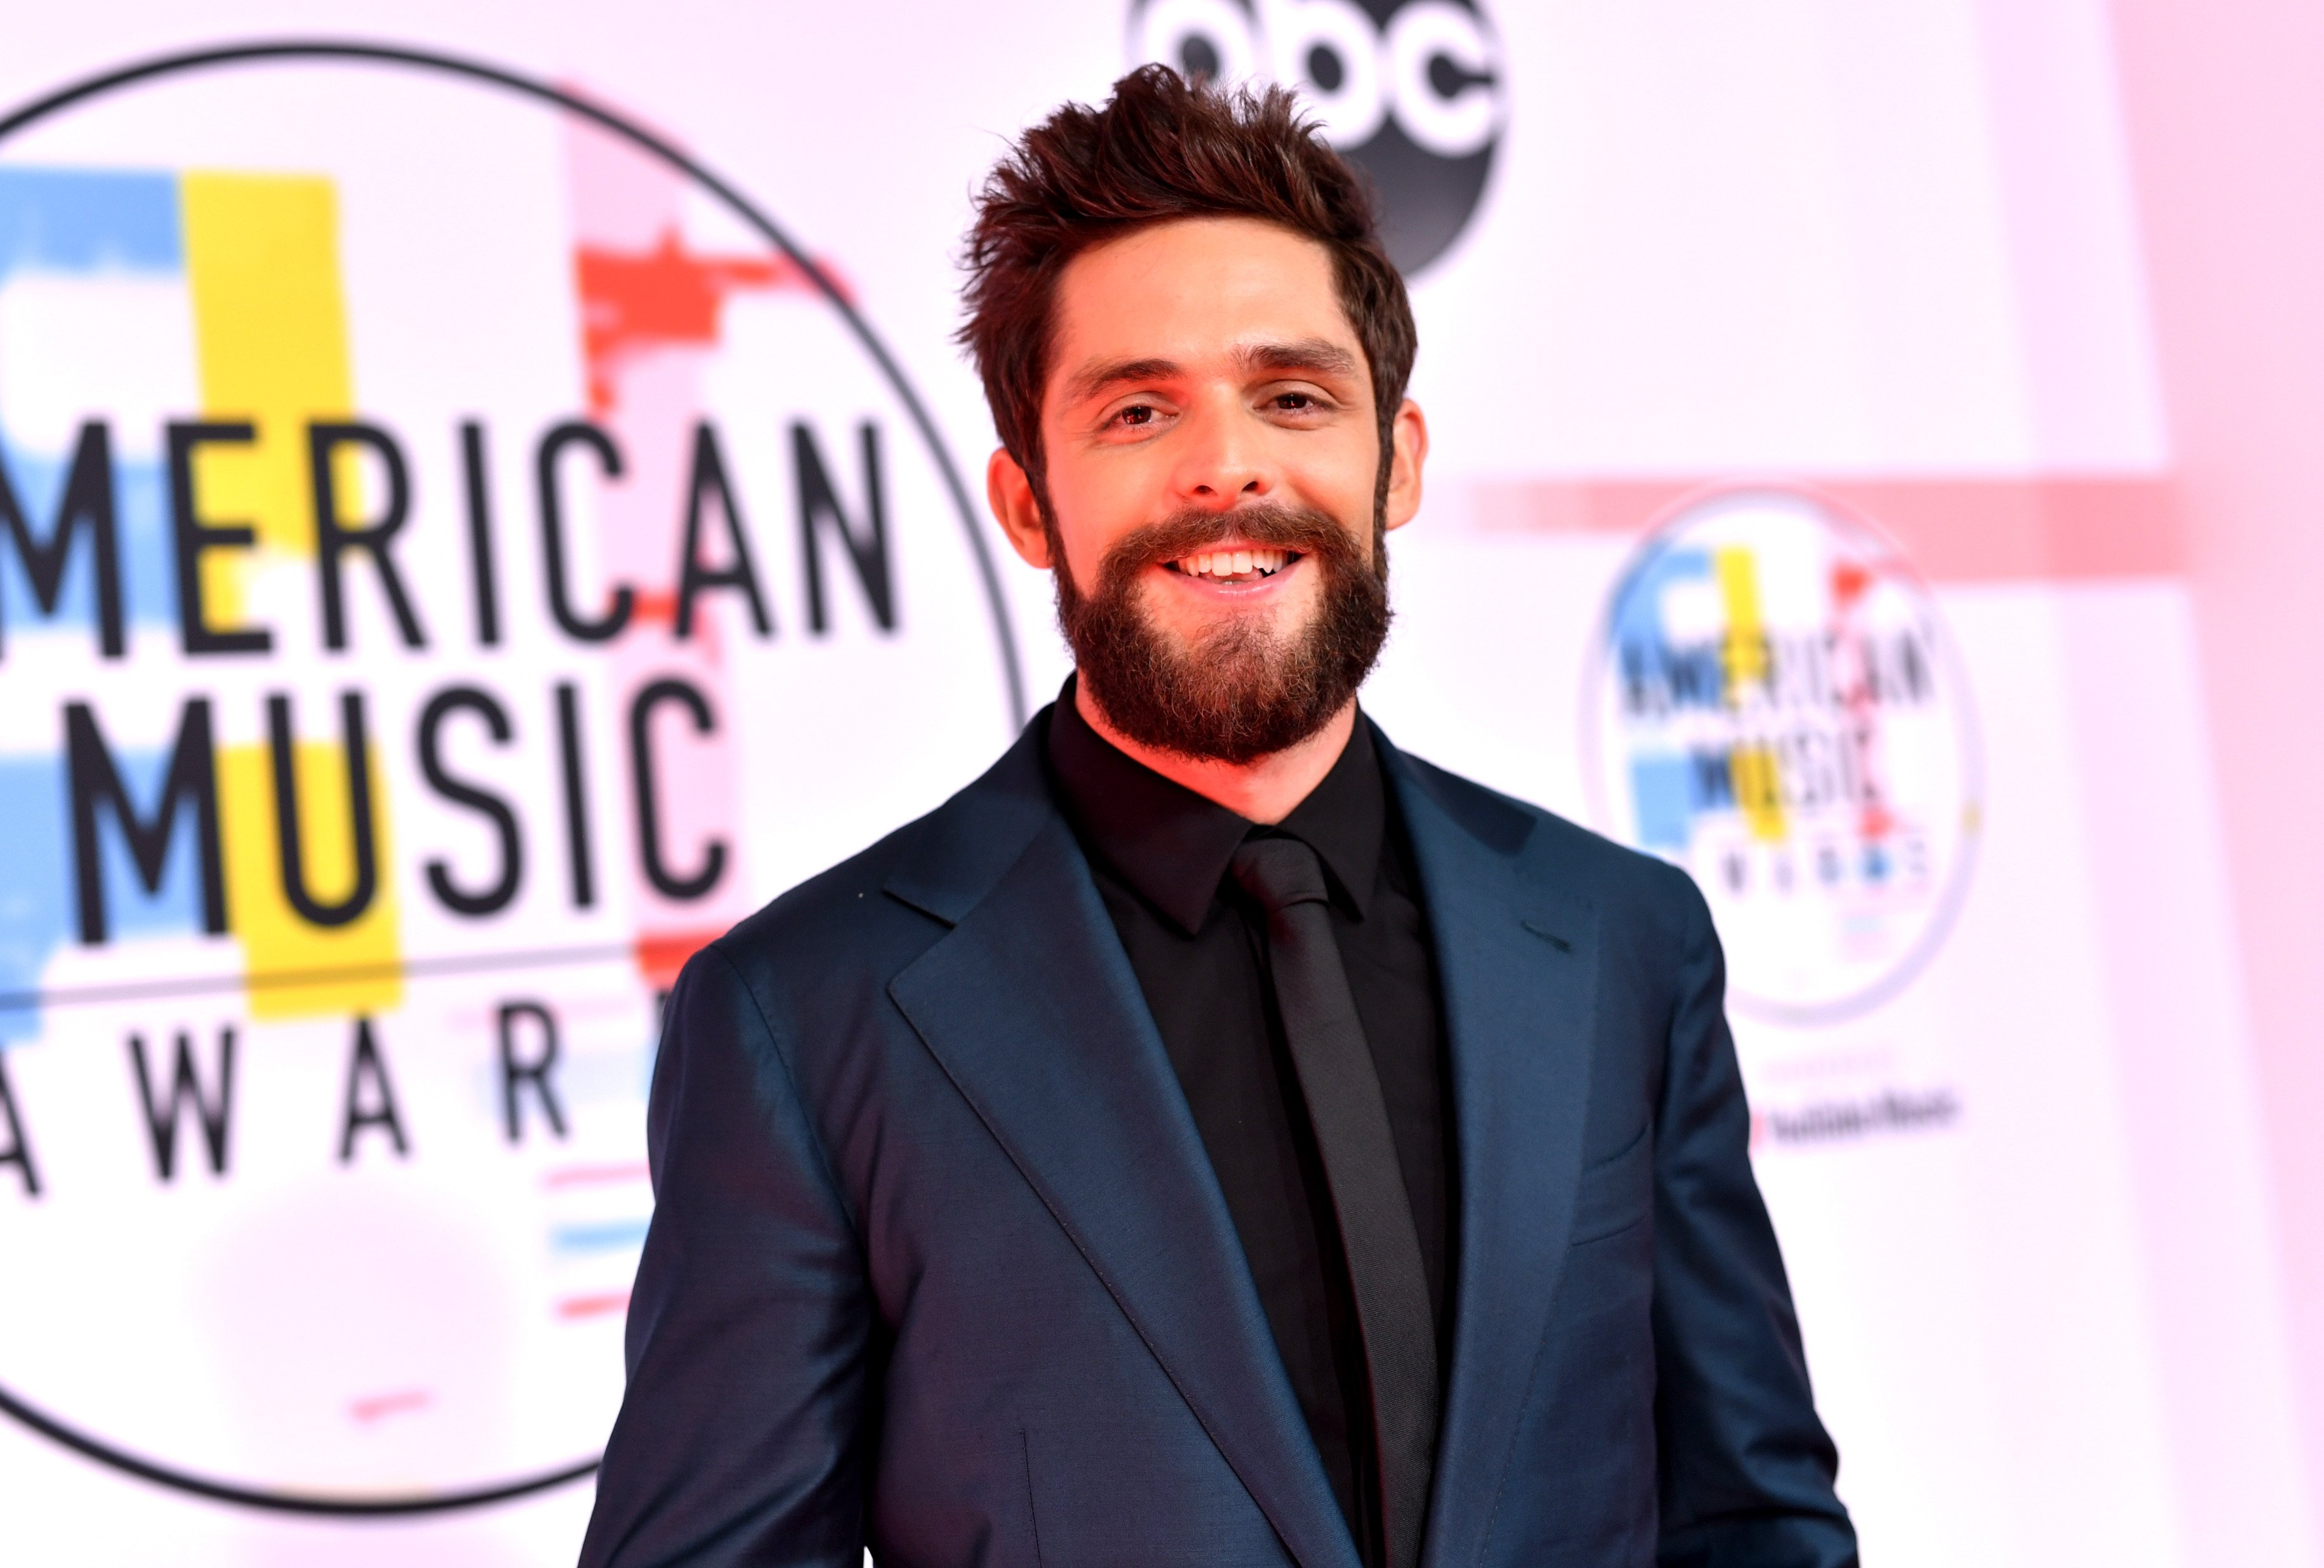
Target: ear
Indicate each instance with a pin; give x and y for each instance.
(1409, 443)
(1011, 493)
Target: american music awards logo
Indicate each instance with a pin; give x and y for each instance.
(1412, 91)
(457, 556)
(1772, 703)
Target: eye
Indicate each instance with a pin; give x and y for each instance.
(1136, 415)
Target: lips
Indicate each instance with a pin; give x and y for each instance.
(1245, 565)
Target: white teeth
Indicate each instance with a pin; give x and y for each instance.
(1227, 565)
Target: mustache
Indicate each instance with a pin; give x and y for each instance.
(1189, 531)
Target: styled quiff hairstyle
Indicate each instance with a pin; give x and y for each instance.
(1163, 149)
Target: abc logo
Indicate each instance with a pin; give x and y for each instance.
(1412, 91)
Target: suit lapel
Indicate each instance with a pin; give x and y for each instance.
(1031, 1006)
(1517, 961)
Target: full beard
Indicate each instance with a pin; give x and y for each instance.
(1240, 690)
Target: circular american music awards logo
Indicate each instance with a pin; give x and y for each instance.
(457, 556)
(1774, 705)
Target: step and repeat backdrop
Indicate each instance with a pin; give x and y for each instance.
(483, 508)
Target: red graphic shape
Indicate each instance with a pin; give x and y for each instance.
(662, 954)
(667, 297)
(580, 1306)
(374, 1406)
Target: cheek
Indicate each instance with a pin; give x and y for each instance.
(1076, 546)
(1342, 480)
(1090, 510)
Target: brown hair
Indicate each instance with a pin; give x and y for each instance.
(1162, 149)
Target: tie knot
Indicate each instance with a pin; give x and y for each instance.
(1279, 872)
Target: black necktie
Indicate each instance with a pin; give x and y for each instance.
(1342, 1091)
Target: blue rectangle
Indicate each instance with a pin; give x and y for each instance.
(1662, 796)
(84, 221)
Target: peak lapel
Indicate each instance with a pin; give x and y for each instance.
(1032, 1009)
(1517, 963)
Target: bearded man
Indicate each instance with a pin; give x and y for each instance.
(1213, 1136)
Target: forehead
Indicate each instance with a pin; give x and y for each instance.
(1191, 293)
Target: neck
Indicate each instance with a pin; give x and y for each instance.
(1263, 789)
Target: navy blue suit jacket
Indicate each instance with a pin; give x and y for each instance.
(939, 1264)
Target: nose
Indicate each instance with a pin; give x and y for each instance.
(1225, 460)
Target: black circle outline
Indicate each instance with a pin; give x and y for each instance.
(223, 1491)
(296, 49)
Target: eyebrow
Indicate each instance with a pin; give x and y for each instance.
(1314, 354)
(1309, 353)
(1097, 378)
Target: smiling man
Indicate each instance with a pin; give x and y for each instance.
(1213, 1136)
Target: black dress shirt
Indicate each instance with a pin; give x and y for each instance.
(1159, 852)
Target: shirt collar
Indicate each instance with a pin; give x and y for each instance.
(1173, 846)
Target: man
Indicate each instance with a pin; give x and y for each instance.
(1213, 1136)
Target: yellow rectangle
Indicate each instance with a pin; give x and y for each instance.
(271, 337)
(1759, 784)
(1745, 649)
(296, 969)
(271, 344)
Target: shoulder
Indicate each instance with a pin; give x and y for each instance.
(1646, 923)
(870, 914)
(1621, 884)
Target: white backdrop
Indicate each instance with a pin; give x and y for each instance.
(1879, 264)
